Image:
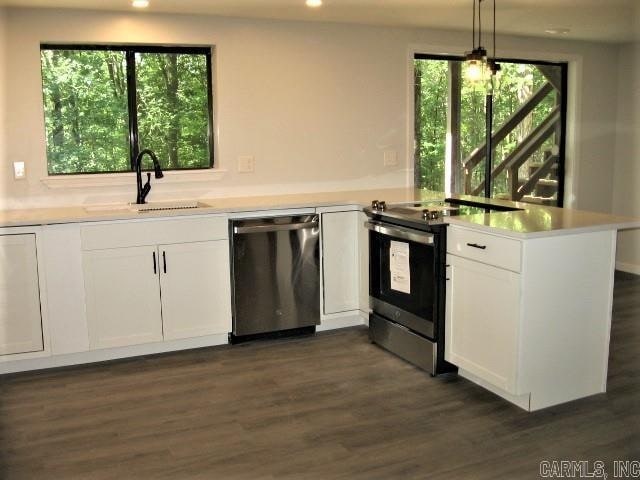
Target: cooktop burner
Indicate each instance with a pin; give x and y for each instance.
(432, 212)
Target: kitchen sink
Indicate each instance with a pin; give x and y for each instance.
(148, 207)
(176, 205)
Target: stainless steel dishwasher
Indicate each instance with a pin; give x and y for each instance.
(275, 273)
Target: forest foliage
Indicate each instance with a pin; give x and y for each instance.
(518, 82)
(85, 95)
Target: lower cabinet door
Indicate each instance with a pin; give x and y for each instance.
(340, 263)
(123, 296)
(20, 320)
(482, 316)
(195, 281)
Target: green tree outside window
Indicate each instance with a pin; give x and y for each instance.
(103, 105)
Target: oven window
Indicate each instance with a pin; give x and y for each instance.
(421, 297)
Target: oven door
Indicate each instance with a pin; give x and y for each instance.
(402, 276)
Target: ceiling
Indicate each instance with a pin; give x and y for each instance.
(597, 20)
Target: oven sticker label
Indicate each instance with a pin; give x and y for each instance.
(399, 267)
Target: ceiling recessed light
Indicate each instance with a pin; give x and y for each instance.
(557, 31)
(313, 3)
(140, 3)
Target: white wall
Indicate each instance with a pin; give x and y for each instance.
(316, 104)
(3, 81)
(636, 23)
(626, 196)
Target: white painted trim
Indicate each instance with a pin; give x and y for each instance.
(271, 213)
(128, 178)
(410, 116)
(42, 293)
(522, 401)
(343, 321)
(36, 229)
(365, 318)
(574, 87)
(46, 360)
(573, 135)
(607, 324)
(112, 353)
(628, 267)
(339, 208)
(42, 290)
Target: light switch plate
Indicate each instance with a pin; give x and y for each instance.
(246, 164)
(390, 158)
(19, 171)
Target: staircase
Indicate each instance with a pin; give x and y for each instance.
(540, 183)
(540, 186)
(546, 188)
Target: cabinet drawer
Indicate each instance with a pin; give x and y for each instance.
(152, 232)
(483, 247)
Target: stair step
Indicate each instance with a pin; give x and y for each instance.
(553, 174)
(548, 182)
(502, 196)
(539, 200)
(538, 165)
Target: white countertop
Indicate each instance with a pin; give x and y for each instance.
(532, 221)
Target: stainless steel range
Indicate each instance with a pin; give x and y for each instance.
(407, 277)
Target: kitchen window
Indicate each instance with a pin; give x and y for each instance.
(104, 104)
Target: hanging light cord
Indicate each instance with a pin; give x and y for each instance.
(479, 23)
(494, 30)
(473, 31)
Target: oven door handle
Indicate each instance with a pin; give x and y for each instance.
(405, 234)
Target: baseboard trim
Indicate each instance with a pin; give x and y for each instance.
(628, 267)
(350, 320)
(66, 360)
(522, 401)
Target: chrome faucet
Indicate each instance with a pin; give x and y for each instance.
(143, 191)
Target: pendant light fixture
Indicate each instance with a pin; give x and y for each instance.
(476, 59)
(479, 67)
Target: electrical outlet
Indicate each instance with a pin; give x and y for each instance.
(19, 171)
(390, 158)
(246, 164)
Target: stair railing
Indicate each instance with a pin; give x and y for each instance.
(517, 192)
(534, 140)
(472, 161)
(523, 151)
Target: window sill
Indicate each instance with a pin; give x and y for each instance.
(121, 179)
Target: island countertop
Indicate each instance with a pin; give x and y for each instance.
(530, 221)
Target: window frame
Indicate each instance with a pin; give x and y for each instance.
(130, 51)
(564, 105)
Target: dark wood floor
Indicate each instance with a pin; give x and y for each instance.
(328, 407)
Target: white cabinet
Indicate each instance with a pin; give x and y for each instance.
(155, 292)
(123, 297)
(195, 289)
(482, 320)
(530, 319)
(340, 262)
(20, 316)
(66, 303)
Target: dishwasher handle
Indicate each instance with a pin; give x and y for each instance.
(272, 227)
